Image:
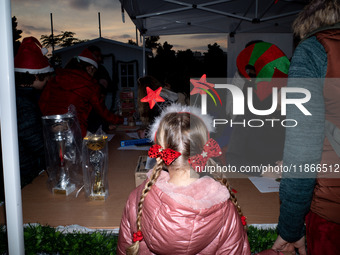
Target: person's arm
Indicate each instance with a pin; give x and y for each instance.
(303, 143)
(98, 105)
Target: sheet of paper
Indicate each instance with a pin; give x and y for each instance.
(264, 184)
(110, 136)
(150, 163)
(134, 147)
(133, 135)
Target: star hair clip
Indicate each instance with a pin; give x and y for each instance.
(152, 97)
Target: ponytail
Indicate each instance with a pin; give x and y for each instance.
(134, 248)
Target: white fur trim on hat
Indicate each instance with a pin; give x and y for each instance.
(47, 69)
(207, 119)
(88, 60)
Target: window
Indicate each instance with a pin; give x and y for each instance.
(127, 74)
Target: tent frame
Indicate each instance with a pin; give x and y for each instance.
(9, 138)
(177, 6)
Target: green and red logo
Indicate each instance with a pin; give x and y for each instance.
(202, 87)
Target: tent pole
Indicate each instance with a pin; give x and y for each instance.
(149, 15)
(224, 13)
(137, 35)
(9, 138)
(144, 55)
(256, 9)
(214, 2)
(281, 15)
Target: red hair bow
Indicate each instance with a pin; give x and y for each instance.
(138, 236)
(244, 220)
(211, 149)
(167, 155)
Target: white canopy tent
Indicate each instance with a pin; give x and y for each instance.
(170, 17)
(244, 20)
(9, 134)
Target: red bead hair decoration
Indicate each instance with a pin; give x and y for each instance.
(244, 220)
(137, 236)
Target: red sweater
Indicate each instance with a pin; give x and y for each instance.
(78, 88)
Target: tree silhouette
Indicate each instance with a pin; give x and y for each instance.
(46, 40)
(65, 39)
(176, 68)
(132, 42)
(166, 51)
(16, 35)
(151, 42)
(215, 61)
(163, 64)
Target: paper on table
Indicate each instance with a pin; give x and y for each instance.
(110, 136)
(150, 163)
(134, 147)
(133, 135)
(265, 185)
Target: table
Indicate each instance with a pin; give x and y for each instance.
(43, 207)
(259, 208)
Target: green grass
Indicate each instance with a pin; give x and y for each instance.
(44, 239)
(47, 240)
(261, 239)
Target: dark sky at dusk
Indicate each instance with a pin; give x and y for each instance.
(81, 17)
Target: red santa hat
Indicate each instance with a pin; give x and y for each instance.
(30, 57)
(88, 57)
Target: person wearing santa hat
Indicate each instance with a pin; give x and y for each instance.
(32, 71)
(75, 85)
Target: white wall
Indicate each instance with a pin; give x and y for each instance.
(121, 54)
(283, 41)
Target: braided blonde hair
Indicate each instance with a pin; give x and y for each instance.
(187, 134)
(134, 248)
(224, 181)
(199, 135)
(168, 136)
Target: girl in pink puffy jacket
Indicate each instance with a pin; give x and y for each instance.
(175, 211)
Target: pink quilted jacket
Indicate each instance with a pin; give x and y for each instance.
(195, 219)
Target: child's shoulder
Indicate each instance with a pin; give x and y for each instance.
(135, 194)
